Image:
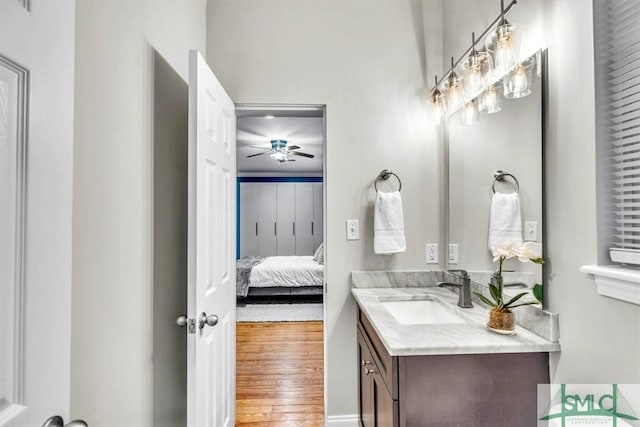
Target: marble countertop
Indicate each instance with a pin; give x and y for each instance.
(466, 338)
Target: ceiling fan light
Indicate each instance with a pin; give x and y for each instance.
(279, 156)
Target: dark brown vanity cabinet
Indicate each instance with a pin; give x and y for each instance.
(377, 407)
(446, 390)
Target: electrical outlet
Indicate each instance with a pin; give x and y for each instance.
(453, 253)
(432, 253)
(531, 231)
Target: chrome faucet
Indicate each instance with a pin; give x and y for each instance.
(464, 288)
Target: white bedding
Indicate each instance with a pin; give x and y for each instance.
(287, 271)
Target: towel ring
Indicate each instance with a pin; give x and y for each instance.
(384, 175)
(499, 176)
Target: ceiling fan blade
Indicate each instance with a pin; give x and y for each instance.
(298, 153)
(293, 147)
(260, 148)
(291, 160)
(258, 154)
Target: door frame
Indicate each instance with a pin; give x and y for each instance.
(244, 107)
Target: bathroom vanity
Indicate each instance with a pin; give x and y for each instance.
(424, 361)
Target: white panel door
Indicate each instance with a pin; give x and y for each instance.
(267, 220)
(249, 194)
(211, 249)
(36, 183)
(318, 219)
(304, 218)
(286, 218)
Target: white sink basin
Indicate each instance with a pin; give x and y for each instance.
(421, 312)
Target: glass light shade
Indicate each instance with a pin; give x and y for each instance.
(279, 156)
(505, 46)
(491, 99)
(453, 92)
(470, 114)
(517, 84)
(474, 71)
(437, 106)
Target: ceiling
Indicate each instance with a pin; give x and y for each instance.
(305, 129)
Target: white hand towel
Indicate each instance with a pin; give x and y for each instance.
(388, 224)
(505, 225)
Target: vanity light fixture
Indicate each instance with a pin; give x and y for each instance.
(475, 69)
(506, 44)
(470, 113)
(517, 84)
(479, 79)
(437, 105)
(453, 90)
(491, 99)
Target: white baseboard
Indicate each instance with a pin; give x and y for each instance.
(342, 421)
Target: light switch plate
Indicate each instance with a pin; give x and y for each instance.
(531, 231)
(353, 229)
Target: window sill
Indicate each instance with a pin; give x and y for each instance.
(616, 281)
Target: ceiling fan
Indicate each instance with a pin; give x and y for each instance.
(280, 152)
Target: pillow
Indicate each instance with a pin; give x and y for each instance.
(318, 256)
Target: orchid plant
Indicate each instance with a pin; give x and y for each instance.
(525, 252)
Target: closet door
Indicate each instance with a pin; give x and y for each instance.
(249, 193)
(318, 220)
(286, 218)
(304, 218)
(267, 243)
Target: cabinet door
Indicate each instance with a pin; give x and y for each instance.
(304, 218)
(249, 193)
(365, 389)
(318, 219)
(286, 218)
(267, 243)
(384, 412)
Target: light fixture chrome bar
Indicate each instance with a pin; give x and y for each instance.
(500, 17)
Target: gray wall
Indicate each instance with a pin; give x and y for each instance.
(111, 378)
(600, 336)
(170, 220)
(366, 61)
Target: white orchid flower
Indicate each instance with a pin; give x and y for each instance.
(504, 252)
(529, 251)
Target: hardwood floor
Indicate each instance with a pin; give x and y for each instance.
(279, 375)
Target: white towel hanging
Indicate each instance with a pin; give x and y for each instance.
(505, 224)
(388, 224)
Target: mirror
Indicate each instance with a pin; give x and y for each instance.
(509, 141)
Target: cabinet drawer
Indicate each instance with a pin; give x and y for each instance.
(387, 365)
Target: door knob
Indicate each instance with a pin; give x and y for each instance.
(181, 321)
(211, 320)
(57, 421)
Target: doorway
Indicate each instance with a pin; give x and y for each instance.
(280, 256)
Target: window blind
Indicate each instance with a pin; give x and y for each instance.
(617, 53)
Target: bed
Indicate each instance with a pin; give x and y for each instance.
(279, 275)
